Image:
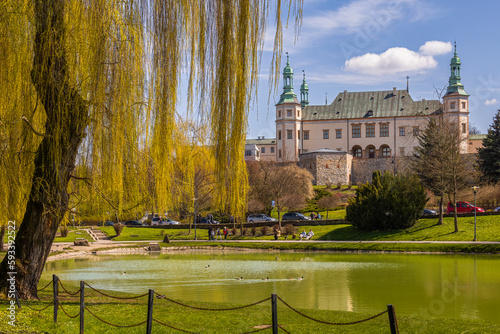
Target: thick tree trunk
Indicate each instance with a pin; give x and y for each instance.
(55, 158)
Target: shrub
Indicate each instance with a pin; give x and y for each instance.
(234, 230)
(245, 231)
(118, 228)
(254, 230)
(64, 231)
(264, 230)
(289, 229)
(339, 185)
(389, 202)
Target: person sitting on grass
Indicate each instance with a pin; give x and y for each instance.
(303, 235)
(310, 235)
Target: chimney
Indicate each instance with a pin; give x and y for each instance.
(263, 137)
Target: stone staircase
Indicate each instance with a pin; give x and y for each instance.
(98, 235)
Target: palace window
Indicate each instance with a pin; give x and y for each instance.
(402, 131)
(279, 113)
(305, 135)
(326, 134)
(464, 128)
(356, 131)
(298, 134)
(248, 153)
(463, 105)
(386, 151)
(384, 130)
(370, 130)
(452, 105)
(402, 151)
(262, 150)
(272, 149)
(298, 113)
(356, 151)
(289, 134)
(279, 154)
(279, 135)
(338, 133)
(289, 113)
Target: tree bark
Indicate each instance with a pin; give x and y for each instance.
(67, 117)
(441, 200)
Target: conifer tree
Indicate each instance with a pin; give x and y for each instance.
(489, 154)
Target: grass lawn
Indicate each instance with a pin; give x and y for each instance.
(127, 312)
(73, 234)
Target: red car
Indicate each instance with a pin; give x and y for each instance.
(464, 207)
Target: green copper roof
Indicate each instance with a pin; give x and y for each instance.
(477, 137)
(288, 95)
(391, 103)
(270, 141)
(455, 87)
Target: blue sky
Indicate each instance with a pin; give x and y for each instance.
(366, 45)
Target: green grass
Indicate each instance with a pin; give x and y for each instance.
(127, 312)
(72, 236)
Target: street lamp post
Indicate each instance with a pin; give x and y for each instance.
(475, 188)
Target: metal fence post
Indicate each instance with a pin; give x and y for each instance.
(17, 299)
(55, 285)
(274, 307)
(82, 306)
(392, 319)
(149, 323)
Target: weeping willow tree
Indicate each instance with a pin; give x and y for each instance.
(89, 93)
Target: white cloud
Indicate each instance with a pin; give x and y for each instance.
(491, 102)
(392, 61)
(397, 60)
(434, 48)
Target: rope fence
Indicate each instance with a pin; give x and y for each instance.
(150, 320)
(331, 323)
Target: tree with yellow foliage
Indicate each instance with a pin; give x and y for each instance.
(95, 83)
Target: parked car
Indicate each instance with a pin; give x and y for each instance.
(204, 220)
(428, 212)
(294, 216)
(464, 207)
(133, 223)
(259, 217)
(106, 223)
(156, 221)
(169, 221)
(497, 209)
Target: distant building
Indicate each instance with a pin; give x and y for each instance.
(359, 132)
(260, 149)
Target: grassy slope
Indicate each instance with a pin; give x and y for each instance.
(125, 312)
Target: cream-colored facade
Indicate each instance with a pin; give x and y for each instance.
(378, 124)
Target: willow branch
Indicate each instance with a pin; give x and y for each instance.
(33, 129)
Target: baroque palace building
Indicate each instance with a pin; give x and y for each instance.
(359, 132)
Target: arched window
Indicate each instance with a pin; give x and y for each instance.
(356, 152)
(386, 151)
(371, 151)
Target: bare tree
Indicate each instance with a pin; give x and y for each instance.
(328, 203)
(287, 185)
(438, 160)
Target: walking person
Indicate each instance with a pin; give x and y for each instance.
(210, 233)
(219, 236)
(225, 233)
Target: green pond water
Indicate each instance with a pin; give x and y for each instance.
(466, 286)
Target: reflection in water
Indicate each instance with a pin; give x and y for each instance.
(428, 285)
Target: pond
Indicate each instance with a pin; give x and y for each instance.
(454, 286)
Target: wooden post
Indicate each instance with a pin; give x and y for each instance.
(274, 307)
(55, 286)
(82, 306)
(149, 320)
(392, 319)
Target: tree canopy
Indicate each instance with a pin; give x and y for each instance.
(489, 154)
(90, 95)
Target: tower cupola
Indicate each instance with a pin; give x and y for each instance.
(304, 91)
(288, 95)
(454, 84)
